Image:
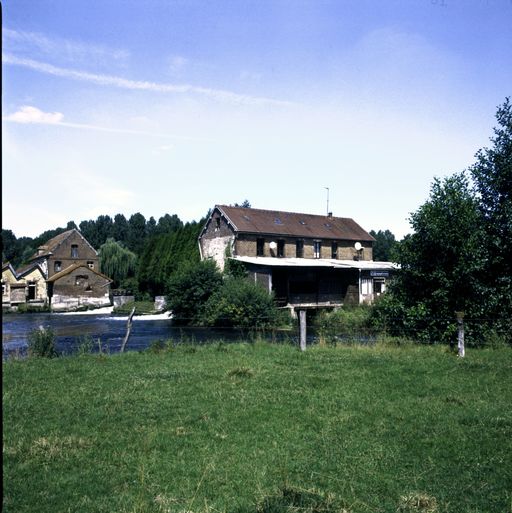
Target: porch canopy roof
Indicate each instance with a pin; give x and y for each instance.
(363, 265)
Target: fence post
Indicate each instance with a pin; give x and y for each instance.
(128, 329)
(302, 320)
(460, 333)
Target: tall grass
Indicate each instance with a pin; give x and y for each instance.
(260, 428)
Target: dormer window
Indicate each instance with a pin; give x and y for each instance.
(74, 250)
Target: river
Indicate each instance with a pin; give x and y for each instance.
(107, 332)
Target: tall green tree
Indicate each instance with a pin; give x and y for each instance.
(120, 228)
(117, 262)
(492, 175)
(164, 253)
(189, 289)
(440, 264)
(136, 233)
(384, 246)
(459, 257)
(9, 246)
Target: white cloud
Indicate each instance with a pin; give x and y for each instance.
(29, 114)
(157, 87)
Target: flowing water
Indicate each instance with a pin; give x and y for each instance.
(106, 332)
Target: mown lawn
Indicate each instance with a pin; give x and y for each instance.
(246, 428)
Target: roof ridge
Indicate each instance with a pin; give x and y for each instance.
(284, 212)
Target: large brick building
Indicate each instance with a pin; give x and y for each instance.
(305, 259)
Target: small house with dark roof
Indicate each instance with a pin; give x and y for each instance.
(63, 273)
(306, 260)
(78, 285)
(25, 285)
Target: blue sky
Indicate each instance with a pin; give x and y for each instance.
(161, 107)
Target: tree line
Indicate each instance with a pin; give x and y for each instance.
(138, 254)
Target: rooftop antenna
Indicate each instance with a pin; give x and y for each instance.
(327, 199)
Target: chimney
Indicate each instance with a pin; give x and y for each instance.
(329, 214)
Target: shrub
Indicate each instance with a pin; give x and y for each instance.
(41, 343)
(85, 345)
(190, 287)
(239, 303)
(347, 324)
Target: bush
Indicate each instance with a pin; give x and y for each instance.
(239, 303)
(347, 324)
(41, 343)
(190, 287)
(85, 345)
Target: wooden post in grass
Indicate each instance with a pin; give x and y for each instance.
(128, 329)
(302, 321)
(460, 333)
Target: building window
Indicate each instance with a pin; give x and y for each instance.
(334, 250)
(217, 224)
(260, 245)
(316, 248)
(74, 250)
(57, 266)
(90, 264)
(366, 286)
(379, 286)
(31, 291)
(4, 289)
(299, 249)
(82, 281)
(280, 248)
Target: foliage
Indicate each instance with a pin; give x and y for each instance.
(164, 253)
(235, 268)
(346, 324)
(41, 343)
(384, 245)
(459, 256)
(240, 303)
(366, 429)
(9, 246)
(190, 287)
(117, 262)
(492, 176)
(440, 265)
(245, 204)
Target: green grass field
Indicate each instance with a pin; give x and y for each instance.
(260, 428)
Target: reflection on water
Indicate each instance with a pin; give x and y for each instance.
(71, 330)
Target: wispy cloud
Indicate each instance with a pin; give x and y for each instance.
(30, 43)
(123, 83)
(28, 114)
